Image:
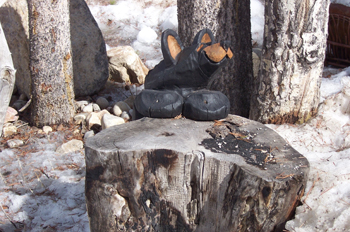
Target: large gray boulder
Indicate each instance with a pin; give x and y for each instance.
(90, 62)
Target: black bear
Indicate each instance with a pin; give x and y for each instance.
(177, 84)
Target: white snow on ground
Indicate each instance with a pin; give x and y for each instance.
(42, 190)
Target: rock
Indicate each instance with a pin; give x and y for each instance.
(130, 101)
(47, 129)
(23, 97)
(116, 110)
(13, 143)
(119, 107)
(81, 104)
(9, 130)
(19, 104)
(90, 62)
(109, 120)
(71, 146)
(11, 115)
(88, 134)
(126, 66)
(80, 118)
(229, 175)
(125, 115)
(102, 103)
(88, 108)
(95, 107)
(93, 119)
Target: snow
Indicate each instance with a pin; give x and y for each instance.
(42, 190)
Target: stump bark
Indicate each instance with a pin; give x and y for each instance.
(182, 175)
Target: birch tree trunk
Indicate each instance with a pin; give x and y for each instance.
(7, 76)
(50, 62)
(287, 87)
(228, 20)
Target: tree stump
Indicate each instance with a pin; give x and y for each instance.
(183, 175)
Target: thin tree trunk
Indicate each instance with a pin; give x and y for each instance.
(229, 20)
(7, 77)
(50, 62)
(287, 87)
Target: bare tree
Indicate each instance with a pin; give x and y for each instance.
(50, 62)
(287, 87)
(229, 20)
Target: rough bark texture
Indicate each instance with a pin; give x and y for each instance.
(229, 20)
(181, 175)
(50, 62)
(7, 77)
(287, 88)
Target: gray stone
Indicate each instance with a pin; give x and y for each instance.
(47, 129)
(9, 130)
(96, 107)
(126, 66)
(71, 146)
(19, 104)
(90, 62)
(109, 120)
(125, 115)
(88, 108)
(102, 103)
(13, 143)
(11, 115)
(130, 101)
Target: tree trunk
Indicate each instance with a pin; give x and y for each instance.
(50, 62)
(287, 87)
(228, 20)
(177, 175)
(7, 77)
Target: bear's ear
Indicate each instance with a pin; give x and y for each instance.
(171, 46)
(204, 36)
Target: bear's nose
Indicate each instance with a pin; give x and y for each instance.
(218, 51)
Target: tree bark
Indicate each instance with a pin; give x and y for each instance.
(7, 77)
(287, 87)
(177, 175)
(50, 62)
(228, 20)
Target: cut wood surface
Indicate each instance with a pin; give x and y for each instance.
(183, 175)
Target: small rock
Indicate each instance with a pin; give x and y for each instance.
(23, 97)
(79, 118)
(13, 143)
(47, 129)
(131, 113)
(19, 104)
(93, 119)
(96, 107)
(130, 101)
(71, 146)
(102, 103)
(126, 66)
(101, 113)
(116, 110)
(11, 115)
(81, 104)
(111, 120)
(89, 134)
(88, 108)
(119, 107)
(125, 115)
(9, 130)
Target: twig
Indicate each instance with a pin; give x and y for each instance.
(8, 217)
(312, 187)
(326, 190)
(3, 179)
(345, 202)
(26, 105)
